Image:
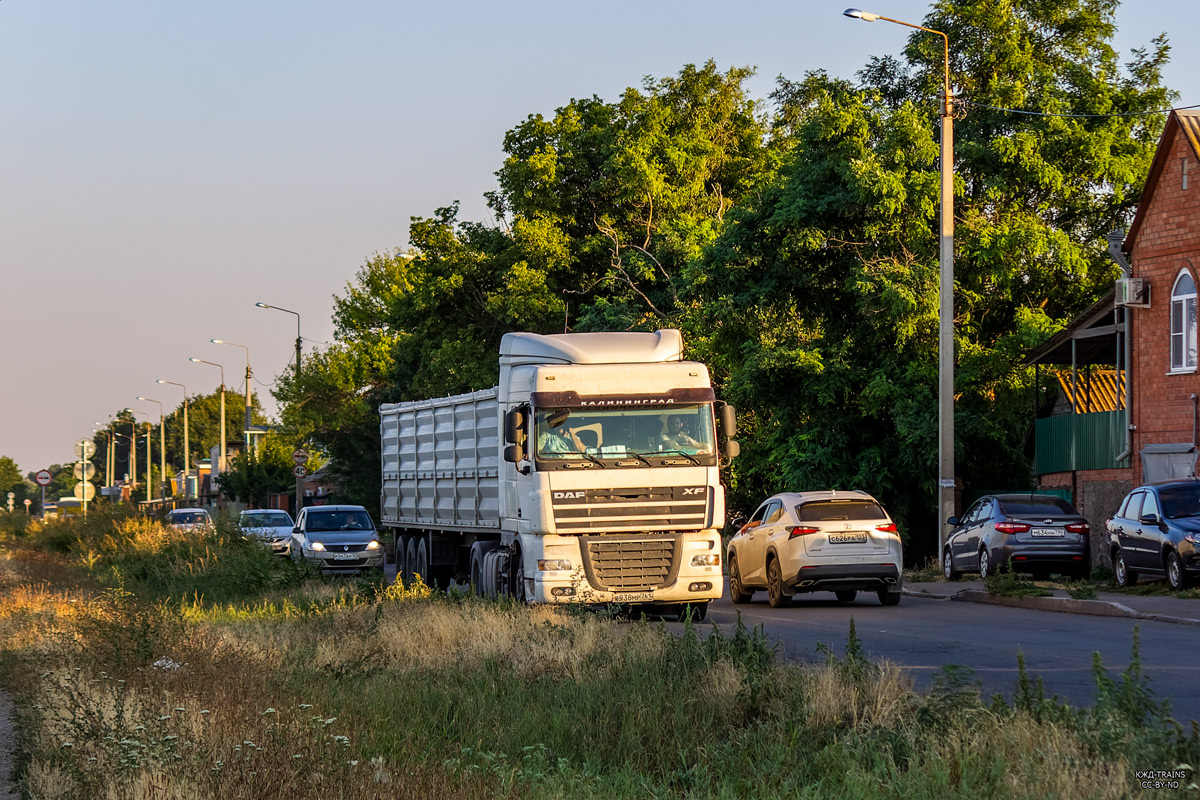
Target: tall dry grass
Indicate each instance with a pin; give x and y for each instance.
(307, 687)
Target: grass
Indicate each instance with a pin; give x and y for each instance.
(175, 680)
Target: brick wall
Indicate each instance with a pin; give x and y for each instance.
(1167, 241)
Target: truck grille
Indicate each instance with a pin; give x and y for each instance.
(622, 564)
(631, 509)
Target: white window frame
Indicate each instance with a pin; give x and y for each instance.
(1183, 325)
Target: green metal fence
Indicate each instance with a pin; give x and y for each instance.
(1079, 441)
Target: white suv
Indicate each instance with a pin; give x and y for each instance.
(835, 541)
(341, 538)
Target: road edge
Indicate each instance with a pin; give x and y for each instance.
(1063, 605)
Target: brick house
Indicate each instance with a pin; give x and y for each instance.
(1144, 334)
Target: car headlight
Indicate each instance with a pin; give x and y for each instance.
(1194, 538)
(373, 545)
(553, 564)
(318, 546)
(706, 560)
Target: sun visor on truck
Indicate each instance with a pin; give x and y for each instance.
(674, 397)
(591, 348)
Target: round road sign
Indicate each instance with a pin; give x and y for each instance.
(83, 471)
(299, 455)
(85, 490)
(299, 470)
(43, 477)
(88, 447)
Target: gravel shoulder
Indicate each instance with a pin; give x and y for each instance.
(8, 743)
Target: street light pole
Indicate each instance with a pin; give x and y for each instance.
(187, 453)
(299, 480)
(249, 386)
(162, 448)
(946, 482)
(221, 460)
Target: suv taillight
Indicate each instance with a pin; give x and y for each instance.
(1012, 527)
(1078, 527)
(887, 527)
(801, 530)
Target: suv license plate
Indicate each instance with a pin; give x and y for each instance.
(1048, 533)
(854, 537)
(345, 556)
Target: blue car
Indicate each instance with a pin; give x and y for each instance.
(1156, 532)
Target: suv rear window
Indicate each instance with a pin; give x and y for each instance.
(1036, 506)
(828, 510)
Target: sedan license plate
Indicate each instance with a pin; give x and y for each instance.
(345, 556)
(852, 537)
(1048, 533)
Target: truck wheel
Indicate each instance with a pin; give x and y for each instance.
(420, 563)
(410, 558)
(477, 573)
(518, 578)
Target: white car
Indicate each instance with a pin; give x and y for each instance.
(338, 538)
(270, 526)
(834, 541)
(189, 519)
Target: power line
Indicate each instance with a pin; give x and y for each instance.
(1087, 116)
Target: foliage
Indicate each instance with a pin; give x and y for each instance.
(822, 291)
(251, 477)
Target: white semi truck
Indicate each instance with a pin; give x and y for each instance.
(590, 474)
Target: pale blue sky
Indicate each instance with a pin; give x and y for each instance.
(164, 165)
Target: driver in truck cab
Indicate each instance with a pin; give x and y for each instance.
(677, 436)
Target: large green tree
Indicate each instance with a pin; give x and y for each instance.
(822, 292)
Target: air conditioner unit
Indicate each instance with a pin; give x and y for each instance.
(1132, 293)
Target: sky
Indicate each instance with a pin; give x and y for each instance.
(165, 165)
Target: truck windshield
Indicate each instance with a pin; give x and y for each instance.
(628, 432)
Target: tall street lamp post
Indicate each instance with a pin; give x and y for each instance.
(299, 480)
(221, 460)
(133, 461)
(149, 459)
(108, 452)
(162, 448)
(187, 453)
(945, 288)
(249, 386)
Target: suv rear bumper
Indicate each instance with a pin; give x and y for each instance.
(832, 577)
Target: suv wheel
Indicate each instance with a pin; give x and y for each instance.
(738, 593)
(775, 593)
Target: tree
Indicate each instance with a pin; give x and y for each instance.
(251, 479)
(822, 293)
(12, 481)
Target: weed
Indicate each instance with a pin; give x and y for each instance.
(1007, 583)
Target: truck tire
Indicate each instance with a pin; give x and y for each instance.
(410, 557)
(420, 562)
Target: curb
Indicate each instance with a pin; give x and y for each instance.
(1067, 605)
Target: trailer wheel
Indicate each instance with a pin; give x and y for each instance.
(410, 557)
(420, 562)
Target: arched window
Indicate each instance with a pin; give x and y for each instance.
(1183, 322)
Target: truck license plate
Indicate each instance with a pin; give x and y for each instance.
(633, 598)
(853, 537)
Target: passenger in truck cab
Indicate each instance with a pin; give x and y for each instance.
(557, 436)
(677, 436)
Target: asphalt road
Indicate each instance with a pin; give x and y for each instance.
(924, 635)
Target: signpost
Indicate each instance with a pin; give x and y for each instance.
(300, 456)
(43, 478)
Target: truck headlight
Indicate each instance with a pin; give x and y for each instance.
(318, 546)
(553, 565)
(707, 560)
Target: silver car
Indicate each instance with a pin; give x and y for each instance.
(337, 538)
(189, 519)
(834, 541)
(270, 526)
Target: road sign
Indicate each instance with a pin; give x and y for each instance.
(89, 447)
(85, 490)
(299, 456)
(84, 471)
(299, 470)
(43, 477)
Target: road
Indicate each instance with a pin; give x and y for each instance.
(924, 635)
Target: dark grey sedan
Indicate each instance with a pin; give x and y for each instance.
(1037, 533)
(1156, 531)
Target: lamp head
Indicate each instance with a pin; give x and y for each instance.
(160, 380)
(196, 360)
(217, 341)
(858, 13)
(262, 305)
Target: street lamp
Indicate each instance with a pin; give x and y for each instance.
(221, 461)
(132, 460)
(149, 477)
(187, 453)
(299, 480)
(945, 288)
(249, 386)
(162, 447)
(109, 461)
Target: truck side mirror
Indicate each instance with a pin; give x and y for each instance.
(728, 421)
(514, 428)
(514, 454)
(731, 448)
